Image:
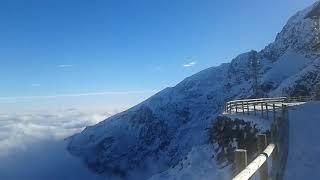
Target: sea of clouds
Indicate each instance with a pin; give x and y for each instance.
(33, 145)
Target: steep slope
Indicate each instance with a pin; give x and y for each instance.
(162, 131)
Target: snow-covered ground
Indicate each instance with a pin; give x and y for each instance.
(262, 123)
(199, 164)
(304, 145)
(32, 145)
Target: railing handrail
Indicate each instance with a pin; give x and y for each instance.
(229, 106)
(259, 99)
(254, 166)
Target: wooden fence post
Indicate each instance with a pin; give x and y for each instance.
(267, 110)
(274, 112)
(262, 144)
(242, 107)
(225, 107)
(240, 160)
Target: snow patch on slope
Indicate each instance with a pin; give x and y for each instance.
(288, 65)
(198, 164)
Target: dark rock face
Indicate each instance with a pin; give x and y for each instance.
(152, 139)
(229, 134)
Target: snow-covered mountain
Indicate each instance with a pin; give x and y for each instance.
(166, 137)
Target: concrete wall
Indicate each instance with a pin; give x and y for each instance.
(282, 141)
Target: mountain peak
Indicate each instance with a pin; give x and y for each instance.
(315, 11)
(299, 34)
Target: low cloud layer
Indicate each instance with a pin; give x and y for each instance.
(32, 146)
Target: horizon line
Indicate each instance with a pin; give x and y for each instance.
(101, 93)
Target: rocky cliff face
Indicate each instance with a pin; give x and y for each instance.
(160, 133)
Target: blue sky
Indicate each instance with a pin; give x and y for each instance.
(115, 53)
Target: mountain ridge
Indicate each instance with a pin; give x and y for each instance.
(159, 133)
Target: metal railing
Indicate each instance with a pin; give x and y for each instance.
(256, 164)
(264, 106)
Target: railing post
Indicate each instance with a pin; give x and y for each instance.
(226, 107)
(262, 144)
(262, 109)
(236, 108)
(248, 107)
(267, 110)
(240, 160)
(254, 108)
(274, 112)
(242, 107)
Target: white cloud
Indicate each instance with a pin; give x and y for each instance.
(157, 68)
(65, 65)
(35, 85)
(19, 130)
(191, 64)
(37, 140)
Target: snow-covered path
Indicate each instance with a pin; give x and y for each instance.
(258, 107)
(304, 145)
